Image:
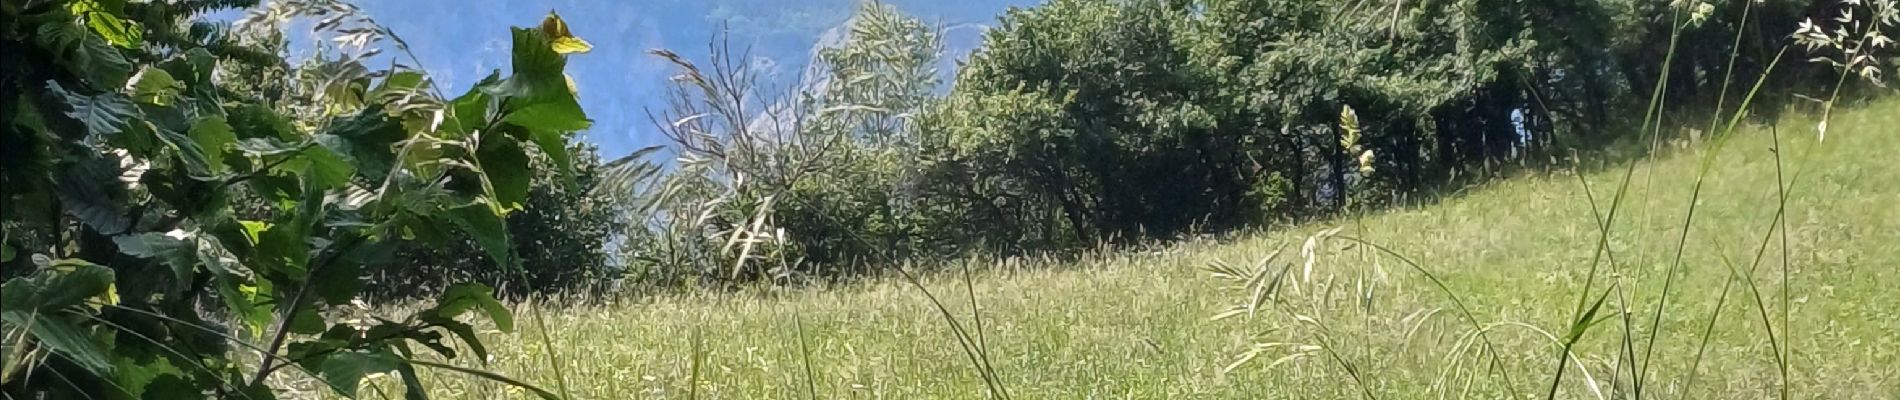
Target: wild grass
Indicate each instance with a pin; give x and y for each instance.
(1358, 322)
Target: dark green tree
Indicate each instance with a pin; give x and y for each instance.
(1088, 111)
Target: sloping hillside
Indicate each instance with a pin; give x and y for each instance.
(1518, 253)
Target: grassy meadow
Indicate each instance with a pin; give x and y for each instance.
(1517, 252)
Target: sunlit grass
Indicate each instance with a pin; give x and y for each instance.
(1136, 324)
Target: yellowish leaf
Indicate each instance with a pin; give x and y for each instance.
(570, 44)
(109, 298)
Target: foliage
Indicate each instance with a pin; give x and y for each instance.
(776, 185)
(1855, 45)
(860, 208)
(559, 234)
(1083, 122)
(1100, 121)
(710, 218)
(1086, 113)
(165, 208)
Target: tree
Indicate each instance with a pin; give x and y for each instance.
(859, 207)
(779, 185)
(1093, 120)
(1115, 139)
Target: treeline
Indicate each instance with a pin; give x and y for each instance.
(1089, 122)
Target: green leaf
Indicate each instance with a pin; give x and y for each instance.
(193, 68)
(85, 54)
(345, 370)
(106, 113)
(555, 147)
(463, 331)
(116, 31)
(310, 353)
(71, 341)
(252, 228)
(401, 81)
(103, 18)
(307, 321)
(135, 375)
(89, 190)
(180, 255)
(254, 121)
(533, 54)
(539, 98)
(429, 339)
(540, 87)
(264, 147)
(151, 245)
(232, 280)
(506, 166)
(111, 7)
(469, 112)
(400, 86)
(155, 86)
(258, 391)
(281, 185)
(283, 249)
(368, 139)
(320, 165)
(556, 115)
(412, 383)
(197, 162)
(341, 280)
(483, 222)
(213, 135)
(465, 297)
(324, 169)
(177, 387)
(66, 283)
(1582, 323)
(43, 303)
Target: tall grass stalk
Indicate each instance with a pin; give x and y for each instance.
(1266, 292)
(1695, 195)
(804, 352)
(1652, 126)
(1781, 209)
(973, 347)
(1496, 357)
(698, 358)
(547, 344)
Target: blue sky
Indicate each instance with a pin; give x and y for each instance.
(460, 41)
